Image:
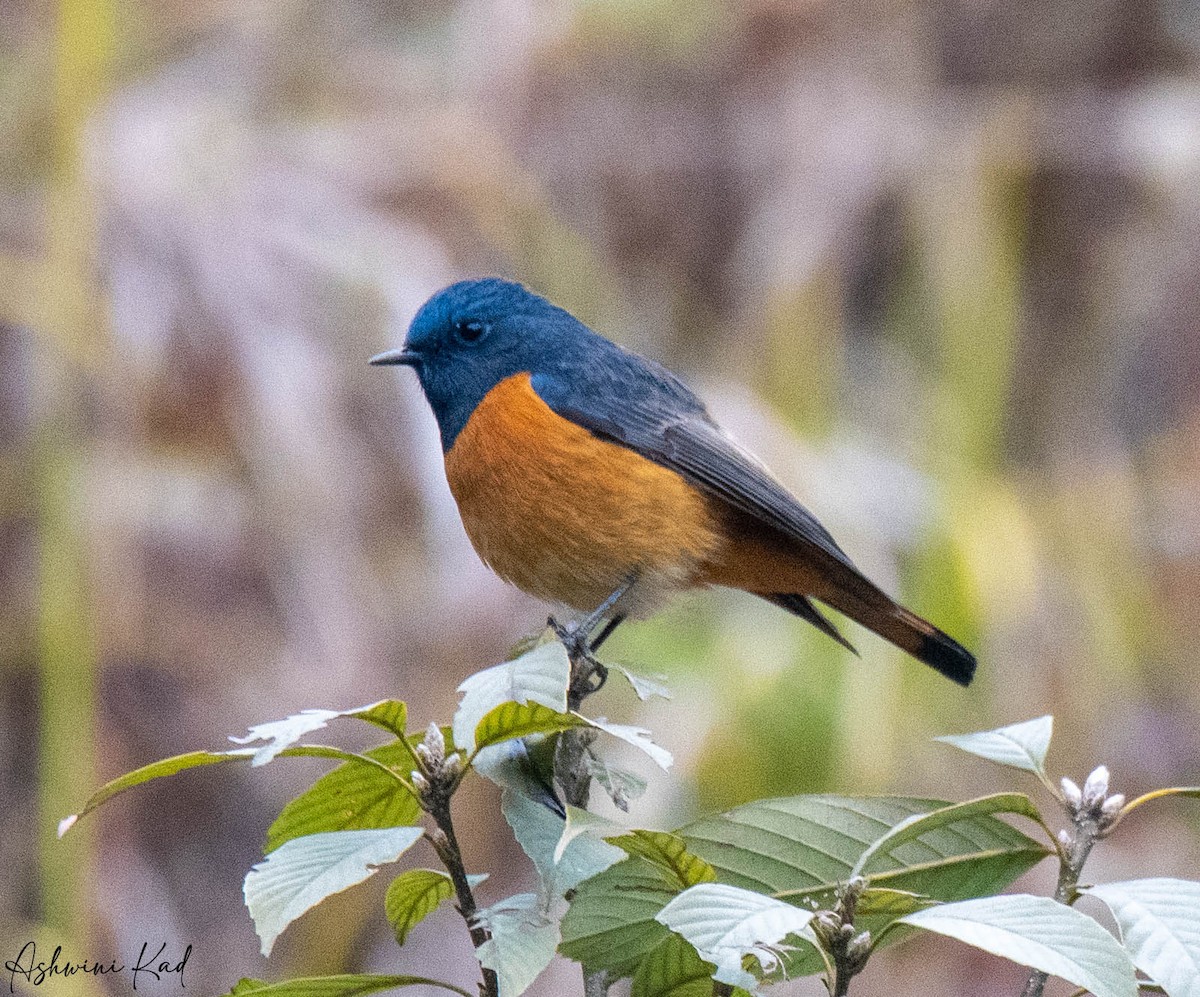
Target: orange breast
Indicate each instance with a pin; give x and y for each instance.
(566, 516)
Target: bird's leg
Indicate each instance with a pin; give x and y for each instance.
(576, 638)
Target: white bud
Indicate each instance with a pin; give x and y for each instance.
(1071, 792)
(436, 744)
(1096, 787)
(1064, 838)
(1113, 805)
(419, 781)
(453, 764)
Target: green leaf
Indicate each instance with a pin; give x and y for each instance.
(799, 848)
(390, 714)
(352, 797)
(580, 822)
(610, 924)
(668, 851)
(412, 896)
(1160, 927)
(795, 845)
(304, 871)
(347, 985)
(512, 720)
(726, 924)
(673, 968)
(621, 786)
(537, 676)
(155, 770)
(538, 832)
(914, 827)
(1019, 746)
(522, 943)
(1039, 933)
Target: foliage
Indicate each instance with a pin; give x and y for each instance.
(774, 889)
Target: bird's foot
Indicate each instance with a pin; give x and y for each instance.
(588, 675)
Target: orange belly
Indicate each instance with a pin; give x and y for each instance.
(568, 517)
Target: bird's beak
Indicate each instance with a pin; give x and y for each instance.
(409, 358)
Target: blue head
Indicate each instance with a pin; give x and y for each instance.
(472, 335)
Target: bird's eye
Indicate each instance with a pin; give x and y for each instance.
(470, 332)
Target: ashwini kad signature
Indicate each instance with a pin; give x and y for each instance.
(150, 965)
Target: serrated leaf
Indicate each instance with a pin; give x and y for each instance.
(345, 985)
(646, 686)
(155, 770)
(1019, 746)
(668, 851)
(353, 796)
(726, 924)
(1160, 928)
(912, 828)
(620, 785)
(513, 720)
(412, 896)
(1039, 933)
(304, 871)
(639, 737)
(280, 734)
(538, 676)
(538, 832)
(522, 943)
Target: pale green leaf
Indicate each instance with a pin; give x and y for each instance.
(1019, 746)
(346, 985)
(639, 737)
(580, 822)
(390, 714)
(280, 734)
(538, 832)
(1039, 933)
(304, 871)
(354, 796)
(646, 686)
(155, 770)
(523, 940)
(538, 676)
(620, 785)
(726, 924)
(1160, 928)
(914, 827)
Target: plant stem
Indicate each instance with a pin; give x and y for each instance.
(571, 770)
(446, 845)
(1086, 832)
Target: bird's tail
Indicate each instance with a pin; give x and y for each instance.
(893, 623)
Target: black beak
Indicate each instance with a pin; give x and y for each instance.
(408, 358)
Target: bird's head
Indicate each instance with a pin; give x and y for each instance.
(472, 335)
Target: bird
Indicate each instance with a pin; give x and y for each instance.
(593, 478)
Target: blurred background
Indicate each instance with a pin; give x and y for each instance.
(939, 264)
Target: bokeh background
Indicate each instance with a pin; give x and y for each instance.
(938, 263)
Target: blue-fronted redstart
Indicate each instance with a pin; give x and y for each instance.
(589, 476)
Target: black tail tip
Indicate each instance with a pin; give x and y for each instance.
(947, 656)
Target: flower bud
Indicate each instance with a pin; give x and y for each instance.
(1071, 793)
(1096, 787)
(435, 743)
(858, 950)
(1112, 806)
(453, 764)
(1065, 838)
(419, 781)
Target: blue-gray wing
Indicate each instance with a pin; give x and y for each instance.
(642, 406)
